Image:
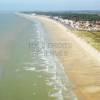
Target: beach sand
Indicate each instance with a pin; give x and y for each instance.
(81, 61)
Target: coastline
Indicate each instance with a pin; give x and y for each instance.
(81, 41)
(81, 63)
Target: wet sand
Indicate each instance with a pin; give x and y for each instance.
(81, 62)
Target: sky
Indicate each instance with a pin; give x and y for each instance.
(49, 5)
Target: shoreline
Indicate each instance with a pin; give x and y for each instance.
(81, 63)
(81, 41)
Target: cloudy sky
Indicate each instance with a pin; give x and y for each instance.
(17, 5)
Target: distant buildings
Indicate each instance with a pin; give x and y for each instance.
(79, 25)
(97, 25)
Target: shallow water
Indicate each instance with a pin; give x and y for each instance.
(27, 72)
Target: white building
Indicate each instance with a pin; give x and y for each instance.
(66, 21)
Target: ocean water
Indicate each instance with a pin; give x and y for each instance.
(28, 71)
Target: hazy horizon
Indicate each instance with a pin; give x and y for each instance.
(49, 5)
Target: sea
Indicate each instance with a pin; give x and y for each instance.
(28, 71)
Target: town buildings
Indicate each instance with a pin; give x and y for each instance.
(80, 25)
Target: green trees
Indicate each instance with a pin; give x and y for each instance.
(82, 17)
(71, 15)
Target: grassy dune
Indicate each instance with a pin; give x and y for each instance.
(92, 38)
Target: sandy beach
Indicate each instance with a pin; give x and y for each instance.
(80, 60)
